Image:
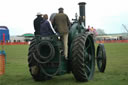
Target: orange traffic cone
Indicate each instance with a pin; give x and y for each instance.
(2, 64)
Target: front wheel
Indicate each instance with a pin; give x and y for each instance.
(101, 57)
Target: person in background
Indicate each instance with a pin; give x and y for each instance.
(52, 17)
(46, 28)
(37, 21)
(62, 24)
(45, 17)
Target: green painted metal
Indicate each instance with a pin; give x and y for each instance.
(58, 65)
(75, 30)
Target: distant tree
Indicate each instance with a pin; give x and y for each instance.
(100, 31)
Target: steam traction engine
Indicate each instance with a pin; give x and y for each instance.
(45, 57)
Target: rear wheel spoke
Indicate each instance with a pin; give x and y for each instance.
(88, 68)
(86, 75)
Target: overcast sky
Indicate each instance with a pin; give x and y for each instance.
(109, 15)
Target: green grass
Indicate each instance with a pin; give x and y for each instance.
(116, 73)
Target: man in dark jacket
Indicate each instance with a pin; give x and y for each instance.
(62, 23)
(37, 23)
(46, 28)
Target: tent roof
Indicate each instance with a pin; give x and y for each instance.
(3, 28)
(28, 35)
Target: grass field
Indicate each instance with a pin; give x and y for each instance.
(116, 73)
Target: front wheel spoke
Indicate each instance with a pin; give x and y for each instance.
(99, 58)
(100, 54)
(100, 63)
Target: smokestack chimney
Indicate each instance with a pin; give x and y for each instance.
(82, 12)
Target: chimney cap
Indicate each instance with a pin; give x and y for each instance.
(82, 3)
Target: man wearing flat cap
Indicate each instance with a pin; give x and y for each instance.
(37, 21)
(62, 24)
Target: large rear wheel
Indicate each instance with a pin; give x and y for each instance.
(83, 57)
(33, 63)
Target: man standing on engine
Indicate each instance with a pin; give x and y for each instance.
(62, 24)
